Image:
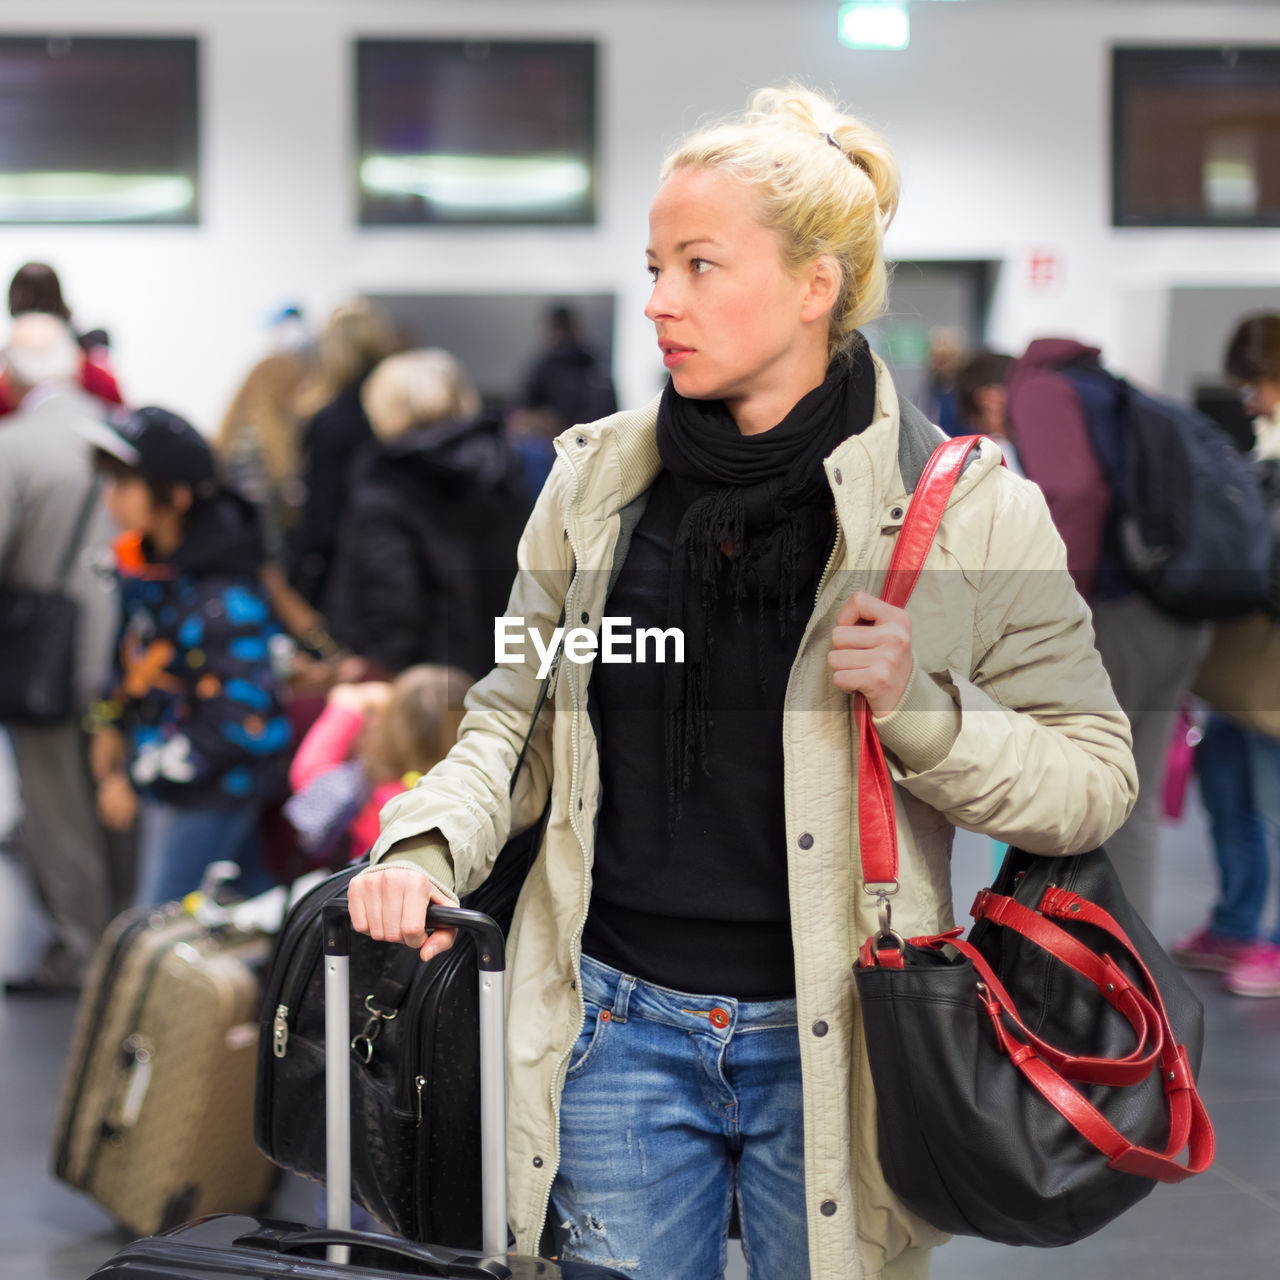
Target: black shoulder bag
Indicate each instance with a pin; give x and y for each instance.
(38, 630)
(1037, 1079)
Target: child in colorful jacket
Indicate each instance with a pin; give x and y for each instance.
(190, 737)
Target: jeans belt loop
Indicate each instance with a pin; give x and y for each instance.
(622, 997)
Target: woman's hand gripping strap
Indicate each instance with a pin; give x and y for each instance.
(877, 830)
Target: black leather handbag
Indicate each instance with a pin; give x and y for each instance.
(415, 1078)
(38, 631)
(1037, 1079)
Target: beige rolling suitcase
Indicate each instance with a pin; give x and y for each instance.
(156, 1117)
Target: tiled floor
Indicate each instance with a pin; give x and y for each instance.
(1223, 1226)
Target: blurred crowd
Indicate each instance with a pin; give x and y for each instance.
(273, 623)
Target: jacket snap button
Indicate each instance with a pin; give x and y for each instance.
(580, 441)
(839, 477)
(805, 841)
(719, 1018)
(820, 1028)
(895, 514)
(537, 1163)
(828, 1208)
(586, 617)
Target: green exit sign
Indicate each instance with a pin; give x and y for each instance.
(874, 25)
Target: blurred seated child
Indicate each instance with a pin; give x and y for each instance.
(190, 733)
(371, 742)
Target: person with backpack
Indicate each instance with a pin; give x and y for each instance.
(1238, 765)
(683, 1030)
(1164, 528)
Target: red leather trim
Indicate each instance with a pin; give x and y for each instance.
(877, 829)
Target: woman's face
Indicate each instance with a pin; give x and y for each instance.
(733, 324)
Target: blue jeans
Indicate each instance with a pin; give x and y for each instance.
(1239, 774)
(175, 845)
(673, 1106)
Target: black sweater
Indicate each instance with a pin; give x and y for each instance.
(705, 910)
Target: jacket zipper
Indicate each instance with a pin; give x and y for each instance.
(836, 547)
(575, 942)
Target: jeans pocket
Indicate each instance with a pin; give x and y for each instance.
(591, 1038)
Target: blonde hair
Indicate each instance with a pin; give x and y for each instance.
(264, 407)
(415, 389)
(419, 723)
(828, 184)
(356, 336)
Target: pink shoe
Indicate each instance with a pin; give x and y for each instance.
(1210, 951)
(1258, 973)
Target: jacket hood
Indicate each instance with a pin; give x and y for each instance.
(1053, 352)
(221, 535)
(460, 454)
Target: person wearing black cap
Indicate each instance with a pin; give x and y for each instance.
(190, 733)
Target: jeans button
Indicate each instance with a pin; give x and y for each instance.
(719, 1018)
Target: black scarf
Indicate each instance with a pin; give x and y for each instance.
(757, 524)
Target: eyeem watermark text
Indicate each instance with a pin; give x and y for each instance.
(618, 641)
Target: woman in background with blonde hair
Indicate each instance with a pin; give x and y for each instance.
(355, 338)
(427, 548)
(683, 1030)
(258, 446)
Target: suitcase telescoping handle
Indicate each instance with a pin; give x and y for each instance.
(491, 953)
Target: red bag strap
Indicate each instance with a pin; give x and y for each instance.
(878, 833)
(1189, 1125)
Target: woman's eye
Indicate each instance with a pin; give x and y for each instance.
(653, 274)
(699, 265)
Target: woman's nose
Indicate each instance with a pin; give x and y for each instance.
(662, 302)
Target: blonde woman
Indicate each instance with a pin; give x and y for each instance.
(683, 1028)
(427, 548)
(356, 336)
(258, 448)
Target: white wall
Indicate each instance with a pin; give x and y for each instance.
(998, 113)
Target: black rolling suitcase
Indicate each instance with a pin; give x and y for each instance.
(231, 1246)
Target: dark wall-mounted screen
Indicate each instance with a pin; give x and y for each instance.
(98, 130)
(1196, 137)
(479, 131)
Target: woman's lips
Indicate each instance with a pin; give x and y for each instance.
(672, 356)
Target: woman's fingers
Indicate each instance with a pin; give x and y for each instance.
(413, 914)
(871, 651)
(391, 906)
(440, 940)
(863, 607)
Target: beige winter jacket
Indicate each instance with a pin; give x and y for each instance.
(1008, 726)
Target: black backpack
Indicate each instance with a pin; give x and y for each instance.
(1191, 525)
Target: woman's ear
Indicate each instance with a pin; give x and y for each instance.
(824, 276)
(182, 498)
